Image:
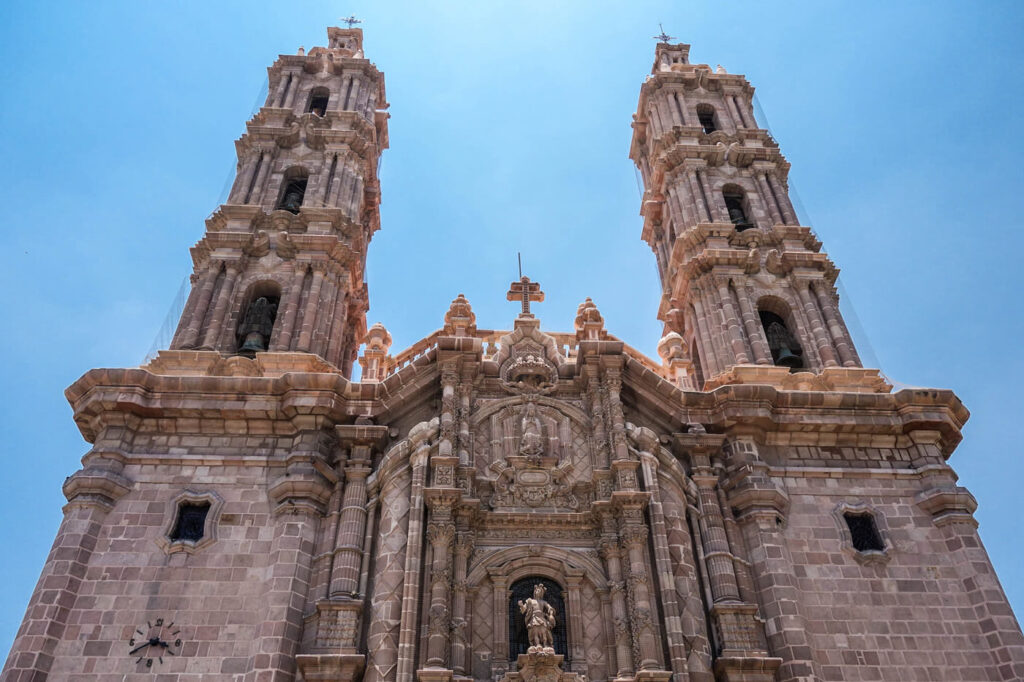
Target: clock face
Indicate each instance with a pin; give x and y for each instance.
(155, 641)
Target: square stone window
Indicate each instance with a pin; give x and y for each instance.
(864, 533)
(191, 523)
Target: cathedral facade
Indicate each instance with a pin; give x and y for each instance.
(520, 504)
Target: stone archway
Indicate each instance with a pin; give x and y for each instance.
(584, 592)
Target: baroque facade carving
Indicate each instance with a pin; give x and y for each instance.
(378, 530)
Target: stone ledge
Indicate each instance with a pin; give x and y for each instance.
(838, 379)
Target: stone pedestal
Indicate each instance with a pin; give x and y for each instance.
(540, 666)
(329, 667)
(434, 675)
(743, 653)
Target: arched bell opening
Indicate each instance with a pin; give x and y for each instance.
(518, 636)
(256, 322)
(782, 342)
(707, 118)
(293, 190)
(318, 99)
(738, 207)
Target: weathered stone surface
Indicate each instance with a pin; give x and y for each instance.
(689, 517)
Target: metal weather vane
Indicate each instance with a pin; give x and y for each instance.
(350, 20)
(663, 37)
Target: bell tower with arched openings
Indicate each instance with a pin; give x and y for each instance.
(512, 505)
(281, 266)
(747, 293)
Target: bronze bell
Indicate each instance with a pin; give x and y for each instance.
(253, 342)
(292, 201)
(787, 358)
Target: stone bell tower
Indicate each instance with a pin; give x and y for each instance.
(281, 265)
(745, 287)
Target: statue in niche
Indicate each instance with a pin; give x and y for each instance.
(540, 620)
(257, 324)
(531, 444)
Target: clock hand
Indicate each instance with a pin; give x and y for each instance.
(150, 642)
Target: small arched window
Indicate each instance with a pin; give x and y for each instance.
(706, 116)
(785, 350)
(256, 324)
(293, 191)
(318, 100)
(736, 205)
(518, 637)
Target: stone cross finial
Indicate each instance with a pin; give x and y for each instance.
(350, 20)
(525, 291)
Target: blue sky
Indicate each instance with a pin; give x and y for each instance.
(510, 132)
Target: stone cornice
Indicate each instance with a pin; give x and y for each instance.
(103, 396)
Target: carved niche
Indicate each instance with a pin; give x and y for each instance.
(533, 456)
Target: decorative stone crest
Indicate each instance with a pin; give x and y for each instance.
(525, 482)
(528, 371)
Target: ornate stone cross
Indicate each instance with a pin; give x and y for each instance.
(525, 291)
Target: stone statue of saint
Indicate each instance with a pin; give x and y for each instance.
(257, 324)
(532, 442)
(540, 619)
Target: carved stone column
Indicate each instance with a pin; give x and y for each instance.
(769, 198)
(289, 310)
(716, 544)
(440, 535)
(836, 327)
(634, 541)
(227, 287)
(198, 304)
(348, 553)
(752, 325)
(612, 386)
(674, 630)
(716, 207)
(449, 409)
(732, 322)
(312, 306)
(701, 207)
(783, 197)
(597, 413)
(821, 338)
(499, 661)
(463, 549)
(611, 552)
(573, 606)
(411, 582)
(244, 176)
